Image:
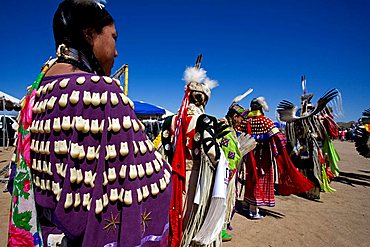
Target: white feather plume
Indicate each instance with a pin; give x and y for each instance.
(194, 74)
(87, 2)
(263, 103)
(240, 97)
(210, 83)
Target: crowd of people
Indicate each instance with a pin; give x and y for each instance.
(86, 173)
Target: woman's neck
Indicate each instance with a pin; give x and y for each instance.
(63, 68)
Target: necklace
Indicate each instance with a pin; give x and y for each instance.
(74, 57)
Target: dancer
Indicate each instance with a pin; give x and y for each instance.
(308, 132)
(189, 141)
(86, 173)
(362, 134)
(235, 145)
(269, 152)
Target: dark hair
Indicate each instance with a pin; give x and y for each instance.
(72, 18)
(255, 105)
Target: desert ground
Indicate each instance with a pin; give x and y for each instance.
(338, 219)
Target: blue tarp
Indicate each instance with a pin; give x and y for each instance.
(142, 108)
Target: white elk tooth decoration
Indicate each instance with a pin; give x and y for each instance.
(113, 195)
(98, 206)
(105, 200)
(115, 125)
(51, 103)
(73, 175)
(80, 177)
(63, 100)
(77, 200)
(107, 79)
(51, 85)
(88, 177)
(90, 153)
(80, 80)
(112, 174)
(154, 189)
(45, 89)
(95, 78)
(126, 122)
(42, 184)
(56, 124)
(150, 145)
(86, 199)
(75, 97)
(38, 92)
(149, 168)
(142, 146)
(123, 149)
(69, 200)
(157, 167)
(94, 126)
(66, 123)
(97, 153)
(63, 147)
(121, 194)
(43, 105)
(101, 128)
(37, 145)
(162, 184)
(41, 127)
(122, 172)
(86, 126)
(139, 195)
(49, 169)
(81, 154)
(131, 103)
(114, 99)
(109, 124)
(136, 149)
(105, 179)
(39, 166)
(145, 192)
(133, 172)
(63, 83)
(37, 181)
(42, 148)
(48, 187)
(124, 98)
(87, 98)
(75, 150)
(47, 126)
(104, 98)
(135, 125)
(95, 99)
(140, 171)
(79, 123)
(128, 197)
(44, 166)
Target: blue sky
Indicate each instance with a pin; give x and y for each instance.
(265, 45)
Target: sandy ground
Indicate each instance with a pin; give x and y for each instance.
(341, 218)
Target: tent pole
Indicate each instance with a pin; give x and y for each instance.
(4, 123)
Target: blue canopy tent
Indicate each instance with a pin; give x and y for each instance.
(146, 110)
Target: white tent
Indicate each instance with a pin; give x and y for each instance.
(8, 102)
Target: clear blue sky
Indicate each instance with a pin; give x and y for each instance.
(266, 45)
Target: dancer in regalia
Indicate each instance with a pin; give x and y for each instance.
(86, 173)
(235, 145)
(309, 130)
(199, 166)
(259, 164)
(362, 134)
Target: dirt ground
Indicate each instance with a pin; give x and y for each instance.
(341, 218)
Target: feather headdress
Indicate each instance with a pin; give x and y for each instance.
(197, 80)
(261, 100)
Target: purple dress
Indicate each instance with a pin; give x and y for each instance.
(97, 177)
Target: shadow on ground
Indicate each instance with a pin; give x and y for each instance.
(241, 208)
(353, 179)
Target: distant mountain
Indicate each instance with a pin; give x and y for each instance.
(346, 125)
